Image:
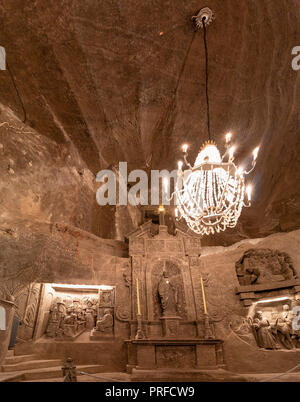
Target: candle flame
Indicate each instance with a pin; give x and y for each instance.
(161, 208)
(255, 152)
(184, 147)
(179, 165)
(240, 171)
(231, 152)
(228, 137)
(249, 191)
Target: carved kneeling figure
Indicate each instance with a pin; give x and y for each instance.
(105, 324)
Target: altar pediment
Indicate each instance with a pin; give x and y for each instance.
(153, 239)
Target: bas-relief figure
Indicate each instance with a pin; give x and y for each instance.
(105, 323)
(262, 332)
(278, 334)
(284, 328)
(71, 317)
(264, 265)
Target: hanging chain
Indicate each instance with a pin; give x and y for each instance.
(206, 76)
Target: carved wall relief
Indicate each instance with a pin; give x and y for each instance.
(123, 310)
(175, 357)
(71, 314)
(258, 266)
(270, 324)
(167, 290)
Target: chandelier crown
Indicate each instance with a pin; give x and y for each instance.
(208, 153)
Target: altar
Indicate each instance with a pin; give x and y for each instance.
(170, 326)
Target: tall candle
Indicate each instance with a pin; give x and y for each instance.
(138, 296)
(203, 296)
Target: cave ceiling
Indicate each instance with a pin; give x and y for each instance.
(125, 81)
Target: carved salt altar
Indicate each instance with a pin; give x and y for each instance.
(175, 328)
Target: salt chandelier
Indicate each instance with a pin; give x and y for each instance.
(210, 195)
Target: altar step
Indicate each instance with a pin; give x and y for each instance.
(177, 375)
(31, 365)
(50, 372)
(9, 360)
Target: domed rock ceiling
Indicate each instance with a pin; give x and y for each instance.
(125, 81)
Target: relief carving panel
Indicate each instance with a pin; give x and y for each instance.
(258, 266)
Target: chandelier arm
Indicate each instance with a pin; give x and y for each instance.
(186, 162)
(252, 168)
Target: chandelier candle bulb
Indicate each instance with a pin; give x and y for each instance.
(231, 152)
(228, 137)
(249, 191)
(179, 165)
(184, 148)
(255, 152)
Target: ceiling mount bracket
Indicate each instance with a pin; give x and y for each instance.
(206, 13)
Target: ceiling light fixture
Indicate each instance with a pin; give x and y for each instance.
(210, 195)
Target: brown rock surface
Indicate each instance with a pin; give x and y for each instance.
(115, 82)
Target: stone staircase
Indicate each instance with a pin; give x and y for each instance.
(30, 368)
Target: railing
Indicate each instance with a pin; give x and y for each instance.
(282, 374)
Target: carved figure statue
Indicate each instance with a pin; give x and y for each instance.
(285, 271)
(262, 332)
(167, 295)
(105, 324)
(90, 312)
(54, 322)
(284, 327)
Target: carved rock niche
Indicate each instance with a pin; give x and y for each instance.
(269, 288)
(265, 273)
(175, 276)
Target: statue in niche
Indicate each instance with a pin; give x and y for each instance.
(106, 323)
(262, 332)
(284, 328)
(264, 265)
(168, 296)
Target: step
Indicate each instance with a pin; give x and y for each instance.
(99, 377)
(18, 359)
(30, 365)
(172, 375)
(10, 353)
(49, 373)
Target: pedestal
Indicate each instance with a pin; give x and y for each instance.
(170, 326)
(101, 336)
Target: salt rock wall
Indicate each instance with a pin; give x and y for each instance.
(227, 310)
(48, 182)
(128, 84)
